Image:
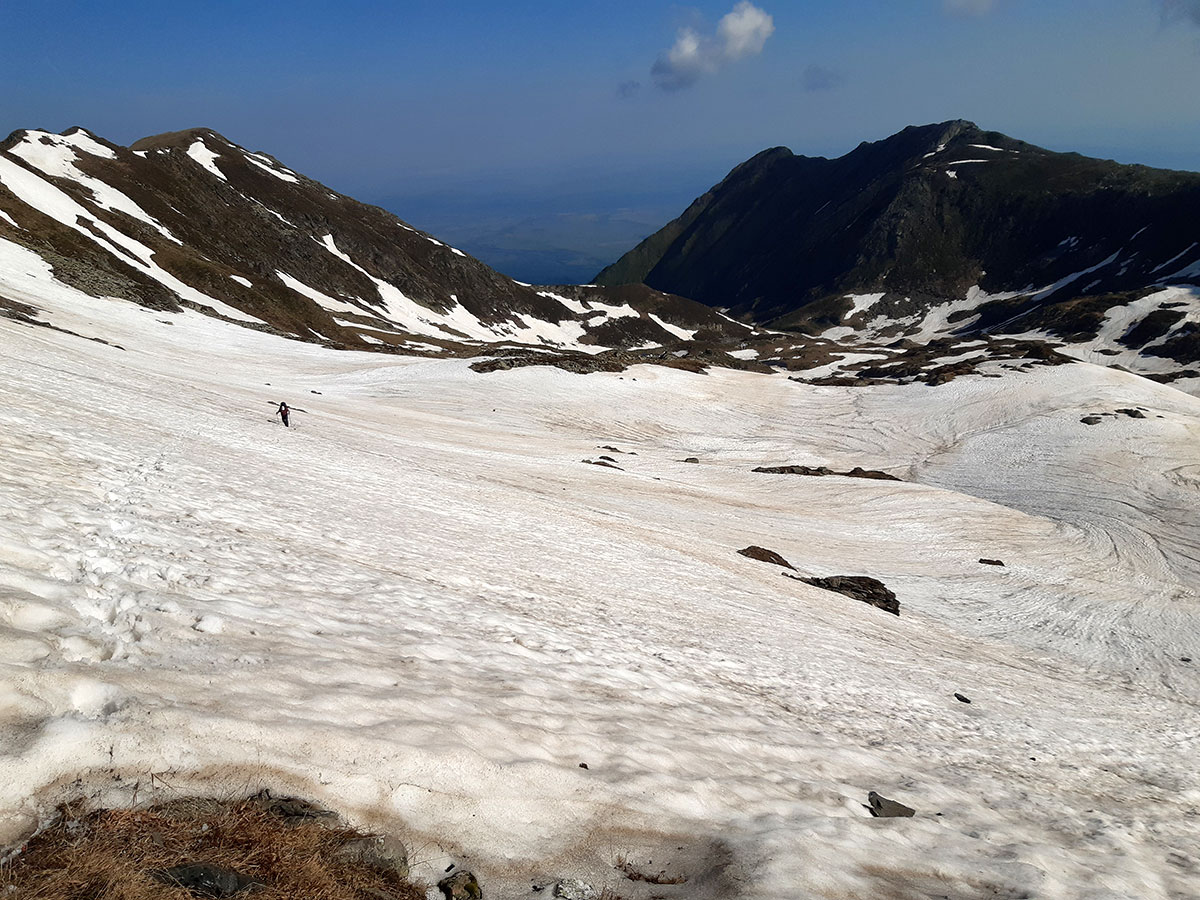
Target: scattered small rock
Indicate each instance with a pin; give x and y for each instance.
(992, 562)
(859, 587)
(460, 886)
(883, 808)
(206, 880)
(762, 554)
(609, 458)
(960, 698)
(1132, 413)
(574, 889)
(691, 459)
(583, 765)
(1090, 420)
(608, 464)
(314, 392)
(1185, 659)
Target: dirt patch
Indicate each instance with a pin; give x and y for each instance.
(275, 848)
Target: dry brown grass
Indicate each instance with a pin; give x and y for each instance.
(111, 854)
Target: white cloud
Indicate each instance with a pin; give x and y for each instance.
(744, 31)
(741, 32)
(969, 7)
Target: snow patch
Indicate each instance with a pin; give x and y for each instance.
(682, 333)
(200, 152)
(267, 166)
(55, 155)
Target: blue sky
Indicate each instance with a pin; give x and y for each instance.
(550, 136)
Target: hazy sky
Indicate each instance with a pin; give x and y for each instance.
(547, 136)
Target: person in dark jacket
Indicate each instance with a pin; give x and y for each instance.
(282, 412)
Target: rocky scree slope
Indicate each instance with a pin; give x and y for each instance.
(192, 219)
(945, 230)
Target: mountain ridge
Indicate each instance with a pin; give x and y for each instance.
(190, 219)
(927, 213)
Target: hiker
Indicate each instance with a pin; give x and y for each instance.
(282, 412)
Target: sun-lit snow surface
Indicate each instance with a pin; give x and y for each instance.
(420, 608)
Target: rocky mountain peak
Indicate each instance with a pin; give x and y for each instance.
(191, 220)
(997, 233)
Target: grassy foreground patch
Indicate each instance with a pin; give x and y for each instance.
(287, 848)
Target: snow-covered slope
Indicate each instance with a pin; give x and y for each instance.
(420, 607)
(192, 218)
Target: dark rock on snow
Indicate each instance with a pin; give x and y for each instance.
(762, 554)
(859, 587)
(884, 808)
(960, 698)
(603, 461)
(856, 472)
(992, 562)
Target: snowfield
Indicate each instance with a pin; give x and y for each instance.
(421, 608)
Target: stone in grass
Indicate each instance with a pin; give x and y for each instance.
(762, 554)
(574, 889)
(206, 880)
(376, 852)
(883, 808)
(292, 809)
(460, 886)
(859, 587)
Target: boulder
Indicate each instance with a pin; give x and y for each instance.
(460, 886)
(762, 554)
(883, 808)
(859, 587)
